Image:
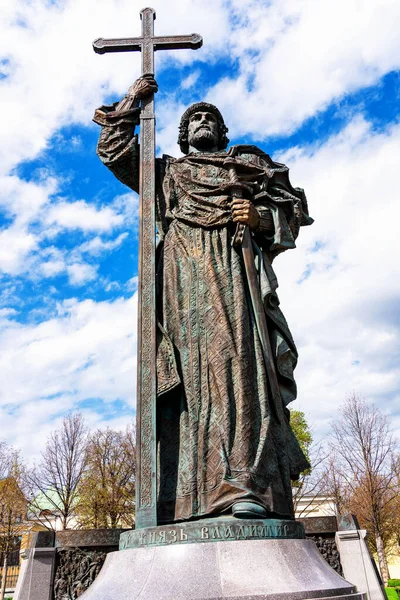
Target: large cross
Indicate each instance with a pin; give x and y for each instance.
(146, 474)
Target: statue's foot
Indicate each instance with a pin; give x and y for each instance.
(248, 510)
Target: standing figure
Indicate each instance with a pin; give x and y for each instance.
(225, 444)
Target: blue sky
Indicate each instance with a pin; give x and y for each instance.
(313, 89)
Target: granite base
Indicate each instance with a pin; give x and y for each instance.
(358, 563)
(35, 581)
(241, 569)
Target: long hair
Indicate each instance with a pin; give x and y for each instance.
(183, 140)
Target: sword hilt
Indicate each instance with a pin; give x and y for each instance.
(238, 236)
(237, 189)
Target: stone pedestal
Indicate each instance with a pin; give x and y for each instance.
(35, 580)
(357, 563)
(256, 569)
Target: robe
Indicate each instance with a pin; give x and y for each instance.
(221, 436)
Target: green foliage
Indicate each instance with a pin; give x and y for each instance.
(393, 589)
(302, 432)
(107, 489)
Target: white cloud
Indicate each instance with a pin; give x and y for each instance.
(127, 205)
(132, 284)
(23, 200)
(190, 80)
(81, 273)
(96, 245)
(344, 314)
(88, 351)
(169, 115)
(24, 245)
(37, 216)
(22, 203)
(52, 267)
(56, 77)
(81, 215)
(15, 244)
(52, 78)
(295, 58)
(7, 312)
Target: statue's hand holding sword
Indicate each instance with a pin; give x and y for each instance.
(246, 216)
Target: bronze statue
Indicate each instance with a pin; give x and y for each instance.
(224, 365)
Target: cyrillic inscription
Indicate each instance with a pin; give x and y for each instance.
(162, 535)
(228, 532)
(215, 533)
(198, 532)
(152, 536)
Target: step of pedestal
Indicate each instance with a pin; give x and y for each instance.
(226, 570)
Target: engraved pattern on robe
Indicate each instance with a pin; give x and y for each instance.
(219, 436)
(220, 440)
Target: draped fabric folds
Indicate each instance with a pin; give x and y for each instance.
(220, 437)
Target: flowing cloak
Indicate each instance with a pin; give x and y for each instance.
(220, 437)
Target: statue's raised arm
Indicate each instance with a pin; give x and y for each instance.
(216, 454)
(225, 353)
(118, 144)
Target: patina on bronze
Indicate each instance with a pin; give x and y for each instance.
(225, 354)
(220, 529)
(146, 482)
(242, 238)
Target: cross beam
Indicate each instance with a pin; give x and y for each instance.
(148, 42)
(146, 471)
(169, 42)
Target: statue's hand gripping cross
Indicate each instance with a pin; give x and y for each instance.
(146, 472)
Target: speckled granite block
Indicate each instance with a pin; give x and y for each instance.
(241, 569)
(358, 564)
(35, 581)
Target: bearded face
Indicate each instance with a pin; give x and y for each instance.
(203, 131)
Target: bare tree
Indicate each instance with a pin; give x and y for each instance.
(107, 491)
(12, 507)
(55, 480)
(309, 492)
(334, 485)
(365, 451)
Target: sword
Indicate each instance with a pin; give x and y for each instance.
(242, 238)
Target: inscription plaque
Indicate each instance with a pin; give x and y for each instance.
(212, 530)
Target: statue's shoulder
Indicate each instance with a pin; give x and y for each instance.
(254, 154)
(278, 174)
(167, 159)
(163, 163)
